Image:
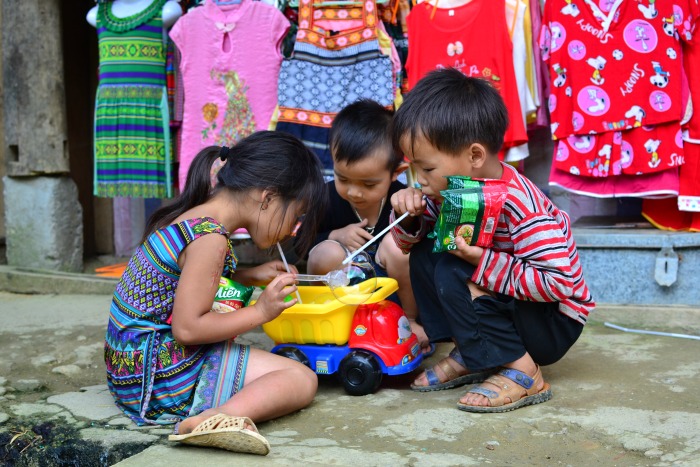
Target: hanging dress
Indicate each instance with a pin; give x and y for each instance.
(337, 60)
(152, 377)
(229, 61)
(474, 39)
(132, 132)
(616, 79)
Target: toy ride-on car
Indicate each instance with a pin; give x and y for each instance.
(360, 343)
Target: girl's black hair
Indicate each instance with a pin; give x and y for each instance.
(452, 111)
(361, 128)
(265, 160)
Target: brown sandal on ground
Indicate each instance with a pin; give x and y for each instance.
(516, 387)
(454, 379)
(226, 432)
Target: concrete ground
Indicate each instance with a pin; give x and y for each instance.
(620, 398)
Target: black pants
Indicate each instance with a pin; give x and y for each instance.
(488, 331)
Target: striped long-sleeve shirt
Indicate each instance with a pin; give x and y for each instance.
(533, 257)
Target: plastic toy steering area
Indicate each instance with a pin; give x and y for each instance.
(360, 343)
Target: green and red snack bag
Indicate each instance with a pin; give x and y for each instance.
(470, 209)
(231, 296)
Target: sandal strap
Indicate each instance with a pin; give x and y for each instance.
(490, 394)
(518, 377)
(448, 370)
(431, 377)
(221, 420)
(457, 356)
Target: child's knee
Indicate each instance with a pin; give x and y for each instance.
(478, 291)
(325, 257)
(307, 384)
(389, 256)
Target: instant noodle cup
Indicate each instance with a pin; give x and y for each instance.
(471, 213)
(231, 296)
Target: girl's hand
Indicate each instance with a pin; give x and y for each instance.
(271, 301)
(470, 254)
(263, 274)
(352, 236)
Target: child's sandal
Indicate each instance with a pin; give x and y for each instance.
(454, 379)
(523, 392)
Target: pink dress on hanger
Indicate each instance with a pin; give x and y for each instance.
(230, 62)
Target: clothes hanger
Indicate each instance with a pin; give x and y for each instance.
(295, 3)
(442, 4)
(226, 2)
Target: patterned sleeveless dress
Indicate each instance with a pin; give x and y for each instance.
(153, 378)
(132, 123)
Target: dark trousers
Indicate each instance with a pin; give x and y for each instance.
(488, 331)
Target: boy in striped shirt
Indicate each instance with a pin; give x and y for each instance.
(510, 308)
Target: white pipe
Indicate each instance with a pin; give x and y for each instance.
(655, 333)
(286, 266)
(386, 229)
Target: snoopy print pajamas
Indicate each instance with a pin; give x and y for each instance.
(617, 81)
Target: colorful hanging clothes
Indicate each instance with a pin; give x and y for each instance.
(652, 185)
(689, 195)
(516, 11)
(230, 60)
(541, 119)
(664, 214)
(153, 378)
(473, 38)
(132, 134)
(337, 60)
(616, 82)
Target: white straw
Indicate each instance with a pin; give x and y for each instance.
(362, 248)
(655, 333)
(286, 266)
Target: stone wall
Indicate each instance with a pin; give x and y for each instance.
(43, 218)
(2, 147)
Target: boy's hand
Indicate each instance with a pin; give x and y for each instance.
(408, 200)
(271, 301)
(470, 254)
(352, 236)
(263, 274)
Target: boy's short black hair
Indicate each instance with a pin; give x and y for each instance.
(452, 111)
(360, 129)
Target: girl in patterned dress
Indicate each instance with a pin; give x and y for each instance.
(169, 359)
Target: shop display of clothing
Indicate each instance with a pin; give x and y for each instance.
(516, 14)
(474, 39)
(336, 61)
(608, 78)
(683, 213)
(132, 135)
(616, 84)
(229, 61)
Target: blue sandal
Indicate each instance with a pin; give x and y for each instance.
(430, 351)
(454, 379)
(523, 392)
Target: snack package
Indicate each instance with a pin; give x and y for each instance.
(456, 182)
(471, 212)
(231, 296)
